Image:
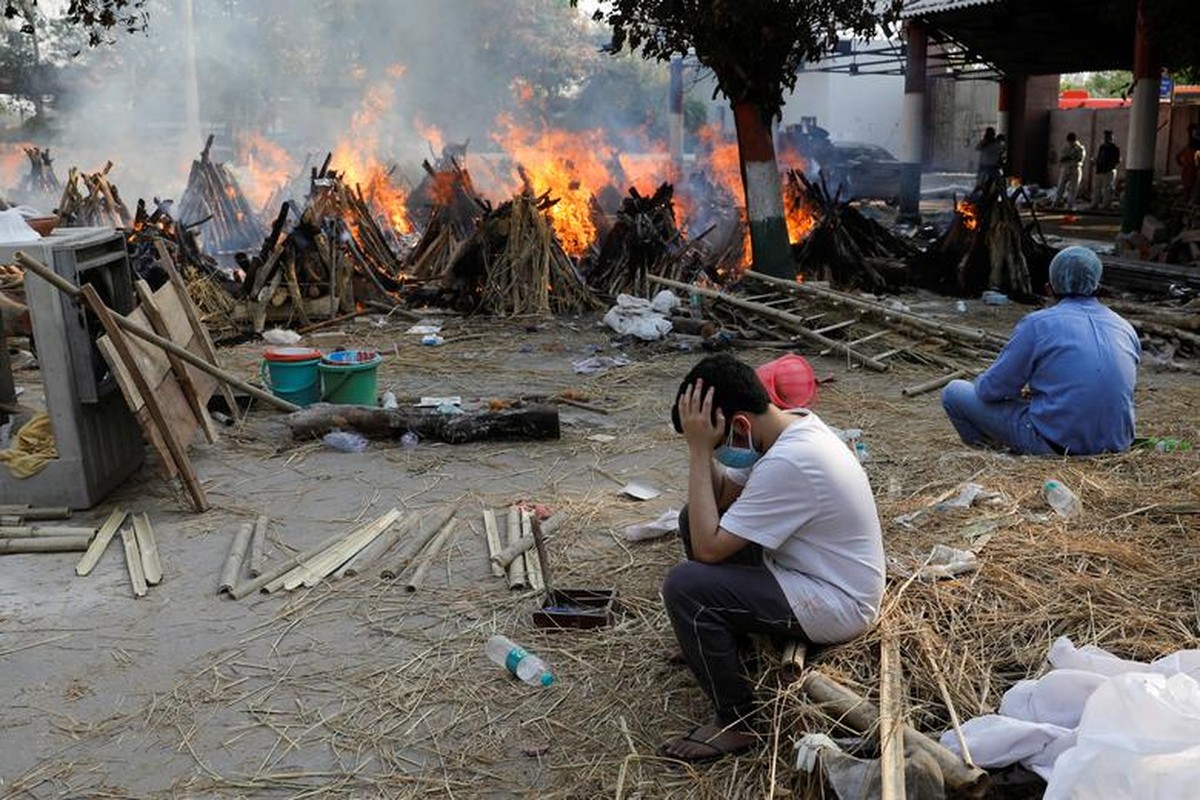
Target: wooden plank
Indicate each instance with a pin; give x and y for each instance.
(492, 532)
(175, 451)
(191, 393)
(103, 536)
(148, 547)
(891, 720)
(133, 562)
(193, 317)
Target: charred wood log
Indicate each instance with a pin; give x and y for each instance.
(537, 422)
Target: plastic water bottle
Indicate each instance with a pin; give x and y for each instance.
(1061, 499)
(517, 660)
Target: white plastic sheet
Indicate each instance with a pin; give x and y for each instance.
(639, 317)
(1097, 726)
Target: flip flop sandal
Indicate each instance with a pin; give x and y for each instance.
(716, 752)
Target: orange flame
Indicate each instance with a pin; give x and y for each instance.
(431, 134)
(14, 164)
(355, 157)
(268, 166)
(725, 166)
(968, 213)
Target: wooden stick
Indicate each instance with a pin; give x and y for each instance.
(193, 316)
(234, 558)
(935, 383)
(946, 698)
(430, 554)
(793, 321)
(492, 534)
(511, 551)
(133, 562)
(257, 543)
(853, 710)
(176, 450)
(533, 560)
(48, 544)
(273, 574)
(378, 548)
(148, 547)
(891, 720)
(323, 565)
(65, 286)
(516, 569)
(31, 513)
(100, 541)
(426, 529)
(31, 531)
(543, 558)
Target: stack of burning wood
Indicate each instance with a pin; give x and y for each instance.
(100, 207)
(844, 247)
(986, 247)
(155, 235)
(643, 241)
(450, 209)
(41, 180)
(213, 202)
(513, 264)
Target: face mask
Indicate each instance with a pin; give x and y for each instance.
(737, 457)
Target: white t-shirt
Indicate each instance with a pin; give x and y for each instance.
(808, 503)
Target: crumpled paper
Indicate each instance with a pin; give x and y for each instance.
(598, 364)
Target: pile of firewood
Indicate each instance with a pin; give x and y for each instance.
(450, 209)
(845, 248)
(214, 203)
(513, 264)
(100, 207)
(986, 247)
(643, 241)
(41, 179)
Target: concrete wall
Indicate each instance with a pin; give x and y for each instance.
(957, 113)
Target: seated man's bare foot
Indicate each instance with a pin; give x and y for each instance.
(707, 743)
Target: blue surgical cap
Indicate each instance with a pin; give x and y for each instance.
(1075, 270)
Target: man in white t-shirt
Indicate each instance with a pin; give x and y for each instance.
(782, 538)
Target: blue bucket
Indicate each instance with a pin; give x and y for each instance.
(291, 374)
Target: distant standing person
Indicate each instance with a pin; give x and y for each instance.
(1108, 155)
(1063, 385)
(1186, 159)
(1070, 165)
(991, 155)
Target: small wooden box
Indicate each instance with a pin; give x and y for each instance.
(577, 609)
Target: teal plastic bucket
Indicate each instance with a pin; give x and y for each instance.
(350, 377)
(291, 374)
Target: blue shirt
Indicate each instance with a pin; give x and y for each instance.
(1079, 360)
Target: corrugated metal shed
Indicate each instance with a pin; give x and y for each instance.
(925, 8)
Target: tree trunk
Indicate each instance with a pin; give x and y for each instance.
(764, 193)
(523, 422)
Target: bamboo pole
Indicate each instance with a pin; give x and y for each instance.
(426, 529)
(854, 711)
(257, 543)
(47, 544)
(934, 383)
(148, 547)
(794, 322)
(65, 286)
(492, 534)
(31, 513)
(316, 570)
(430, 554)
(233, 560)
(533, 559)
(376, 549)
(511, 551)
(516, 569)
(100, 541)
(133, 562)
(891, 720)
(791, 661)
(273, 574)
(33, 531)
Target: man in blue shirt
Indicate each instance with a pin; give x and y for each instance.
(1064, 382)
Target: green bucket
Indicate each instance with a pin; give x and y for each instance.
(291, 374)
(349, 377)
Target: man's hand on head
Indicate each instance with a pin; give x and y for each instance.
(696, 417)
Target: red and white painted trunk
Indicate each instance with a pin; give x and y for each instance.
(764, 193)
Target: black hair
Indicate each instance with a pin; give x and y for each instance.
(735, 384)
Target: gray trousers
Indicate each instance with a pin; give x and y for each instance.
(713, 607)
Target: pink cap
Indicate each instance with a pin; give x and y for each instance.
(789, 381)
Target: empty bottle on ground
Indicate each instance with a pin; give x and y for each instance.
(517, 660)
(1061, 499)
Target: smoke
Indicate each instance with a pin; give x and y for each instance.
(282, 82)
